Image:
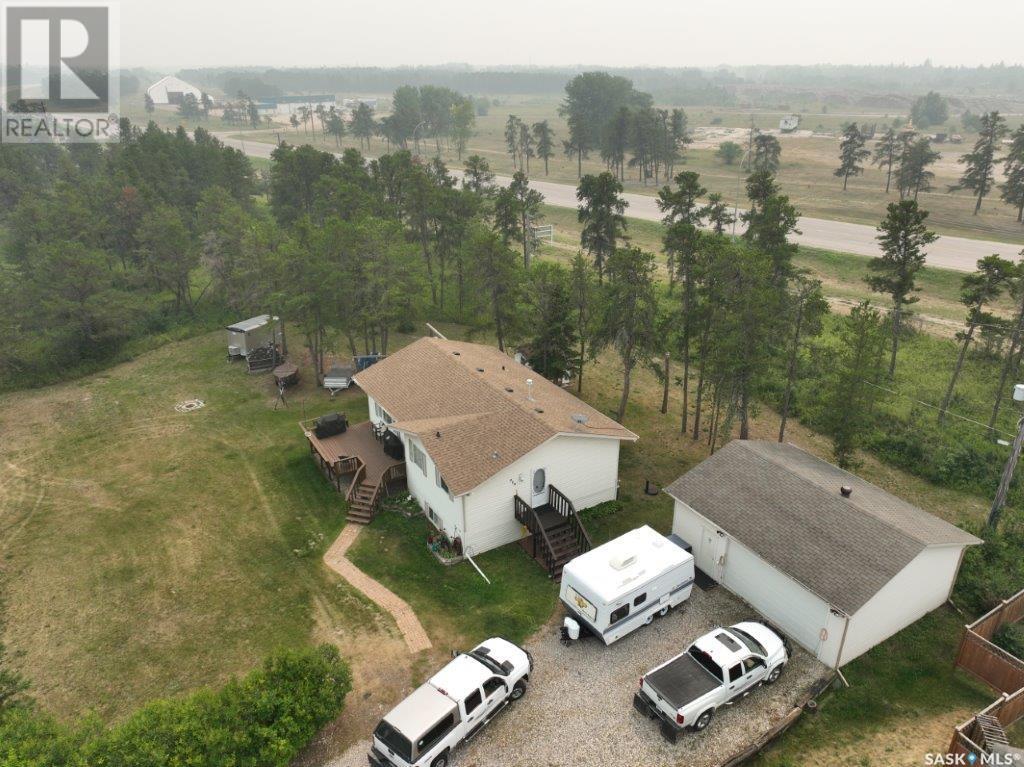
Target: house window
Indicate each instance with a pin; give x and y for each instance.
(440, 481)
(382, 414)
(418, 457)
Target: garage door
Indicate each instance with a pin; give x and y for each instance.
(781, 600)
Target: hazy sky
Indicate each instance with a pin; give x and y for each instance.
(543, 32)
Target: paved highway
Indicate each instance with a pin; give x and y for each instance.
(960, 253)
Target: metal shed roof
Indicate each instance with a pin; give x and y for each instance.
(250, 324)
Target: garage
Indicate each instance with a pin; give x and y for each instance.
(835, 562)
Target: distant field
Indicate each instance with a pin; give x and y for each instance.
(806, 174)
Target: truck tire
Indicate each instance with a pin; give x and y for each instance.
(518, 691)
(440, 761)
(703, 721)
(773, 675)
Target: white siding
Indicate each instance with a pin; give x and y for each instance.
(783, 601)
(586, 469)
(424, 488)
(917, 589)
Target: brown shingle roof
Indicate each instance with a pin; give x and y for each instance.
(784, 504)
(478, 399)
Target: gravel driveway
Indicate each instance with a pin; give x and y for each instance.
(578, 709)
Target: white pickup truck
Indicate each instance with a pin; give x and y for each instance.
(721, 667)
(452, 706)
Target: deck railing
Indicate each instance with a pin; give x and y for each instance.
(357, 480)
(526, 515)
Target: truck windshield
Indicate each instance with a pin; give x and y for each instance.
(479, 654)
(752, 644)
(707, 662)
(394, 740)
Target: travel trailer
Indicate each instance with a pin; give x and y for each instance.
(624, 584)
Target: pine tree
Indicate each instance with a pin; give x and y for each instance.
(544, 139)
(851, 154)
(601, 211)
(980, 163)
(887, 155)
(1013, 167)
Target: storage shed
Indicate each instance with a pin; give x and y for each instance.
(253, 333)
(835, 562)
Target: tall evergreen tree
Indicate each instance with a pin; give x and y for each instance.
(601, 211)
(1013, 168)
(805, 308)
(552, 346)
(887, 152)
(851, 154)
(544, 139)
(903, 236)
(980, 163)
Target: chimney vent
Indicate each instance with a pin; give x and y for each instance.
(846, 491)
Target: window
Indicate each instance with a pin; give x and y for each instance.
(418, 457)
(618, 614)
(434, 734)
(639, 600)
(752, 644)
(472, 701)
(750, 664)
(735, 672)
(382, 414)
(440, 481)
(707, 662)
(394, 740)
(492, 685)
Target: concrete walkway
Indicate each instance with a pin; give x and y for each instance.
(416, 638)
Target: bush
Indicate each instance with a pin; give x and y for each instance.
(995, 570)
(262, 719)
(1011, 638)
(600, 511)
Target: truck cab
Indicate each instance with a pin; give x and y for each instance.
(452, 706)
(720, 668)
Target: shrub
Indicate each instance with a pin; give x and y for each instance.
(1011, 638)
(262, 719)
(995, 570)
(600, 511)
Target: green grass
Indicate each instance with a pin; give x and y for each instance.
(903, 685)
(454, 602)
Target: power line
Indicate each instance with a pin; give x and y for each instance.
(936, 407)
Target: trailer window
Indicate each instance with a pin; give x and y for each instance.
(434, 734)
(639, 600)
(618, 614)
(472, 701)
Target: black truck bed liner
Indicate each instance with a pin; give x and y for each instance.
(682, 681)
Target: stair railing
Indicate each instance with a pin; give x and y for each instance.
(526, 515)
(561, 505)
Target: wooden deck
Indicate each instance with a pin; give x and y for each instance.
(357, 442)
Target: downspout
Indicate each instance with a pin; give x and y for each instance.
(842, 645)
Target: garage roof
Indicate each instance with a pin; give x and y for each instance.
(785, 505)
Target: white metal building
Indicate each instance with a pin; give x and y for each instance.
(837, 563)
(480, 429)
(171, 90)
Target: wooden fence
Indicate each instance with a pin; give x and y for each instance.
(999, 669)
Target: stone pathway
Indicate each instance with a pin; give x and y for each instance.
(416, 638)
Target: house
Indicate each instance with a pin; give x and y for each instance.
(492, 450)
(172, 90)
(838, 564)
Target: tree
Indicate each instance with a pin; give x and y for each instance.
(513, 132)
(525, 146)
(150, 105)
(406, 115)
(1013, 168)
(544, 139)
(617, 137)
(516, 207)
(601, 211)
(886, 155)
(363, 125)
(845, 405)
(978, 174)
(916, 158)
(1011, 358)
(167, 252)
(717, 213)
(293, 179)
(553, 344)
(729, 152)
(335, 126)
(478, 177)
(463, 122)
(851, 154)
(585, 300)
(977, 290)
(806, 306)
(928, 110)
(189, 109)
(766, 153)
(630, 313)
(498, 277)
(902, 237)
(769, 226)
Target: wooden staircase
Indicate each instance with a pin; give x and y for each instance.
(362, 502)
(557, 534)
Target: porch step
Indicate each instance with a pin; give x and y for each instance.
(361, 508)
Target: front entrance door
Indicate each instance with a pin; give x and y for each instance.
(539, 488)
(711, 554)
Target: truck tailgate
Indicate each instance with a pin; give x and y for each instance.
(681, 681)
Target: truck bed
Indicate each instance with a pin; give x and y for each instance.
(682, 681)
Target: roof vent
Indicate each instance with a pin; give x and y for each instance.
(437, 434)
(479, 370)
(508, 389)
(529, 389)
(457, 354)
(538, 410)
(846, 491)
(495, 455)
(622, 561)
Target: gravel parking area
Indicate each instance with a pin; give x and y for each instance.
(578, 709)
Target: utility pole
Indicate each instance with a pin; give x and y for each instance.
(1011, 464)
